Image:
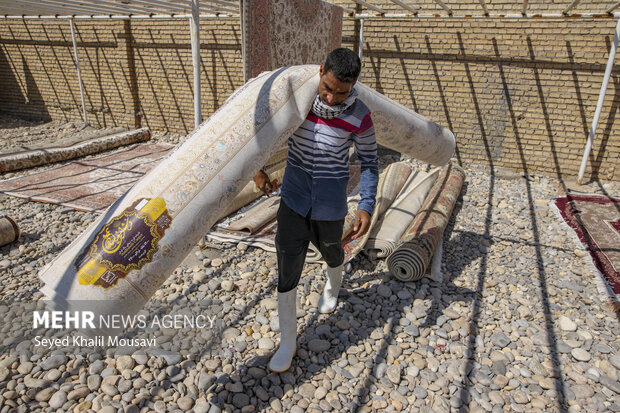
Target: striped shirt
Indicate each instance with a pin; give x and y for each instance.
(317, 168)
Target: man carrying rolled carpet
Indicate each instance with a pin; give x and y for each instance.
(314, 199)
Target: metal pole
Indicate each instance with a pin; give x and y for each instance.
(79, 72)
(243, 44)
(599, 105)
(195, 38)
(361, 45)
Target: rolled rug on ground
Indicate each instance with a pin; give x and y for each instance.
(130, 250)
(390, 228)
(313, 254)
(126, 254)
(9, 231)
(415, 250)
(390, 183)
(36, 157)
(256, 217)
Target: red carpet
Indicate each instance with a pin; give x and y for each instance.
(596, 222)
(89, 185)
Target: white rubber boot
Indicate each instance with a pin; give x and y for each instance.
(329, 299)
(287, 315)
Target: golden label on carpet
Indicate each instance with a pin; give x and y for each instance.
(126, 243)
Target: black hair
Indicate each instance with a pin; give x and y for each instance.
(344, 64)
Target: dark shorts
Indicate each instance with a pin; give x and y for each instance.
(293, 236)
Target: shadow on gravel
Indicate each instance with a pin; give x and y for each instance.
(373, 314)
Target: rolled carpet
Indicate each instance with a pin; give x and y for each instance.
(390, 228)
(9, 231)
(129, 251)
(415, 249)
(36, 157)
(390, 183)
(403, 130)
(256, 217)
(250, 191)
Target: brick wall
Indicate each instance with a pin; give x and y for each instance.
(134, 73)
(516, 93)
(519, 94)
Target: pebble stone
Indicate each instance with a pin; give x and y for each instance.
(514, 318)
(566, 324)
(185, 403)
(581, 354)
(58, 399)
(45, 394)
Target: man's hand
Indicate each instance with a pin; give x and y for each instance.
(362, 222)
(264, 183)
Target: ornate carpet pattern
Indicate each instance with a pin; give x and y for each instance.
(415, 250)
(251, 192)
(167, 211)
(35, 157)
(89, 185)
(160, 219)
(280, 33)
(595, 220)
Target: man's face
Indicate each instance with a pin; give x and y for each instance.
(331, 90)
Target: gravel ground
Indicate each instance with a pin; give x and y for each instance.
(515, 322)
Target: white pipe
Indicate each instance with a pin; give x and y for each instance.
(599, 104)
(95, 6)
(405, 6)
(444, 6)
(419, 16)
(118, 17)
(195, 38)
(243, 30)
(369, 6)
(361, 45)
(79, 72)
(571, 6)
(612, 8)
(572, 17)
(484, 7)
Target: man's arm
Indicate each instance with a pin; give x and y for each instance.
(366, 148)
(266, 185)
